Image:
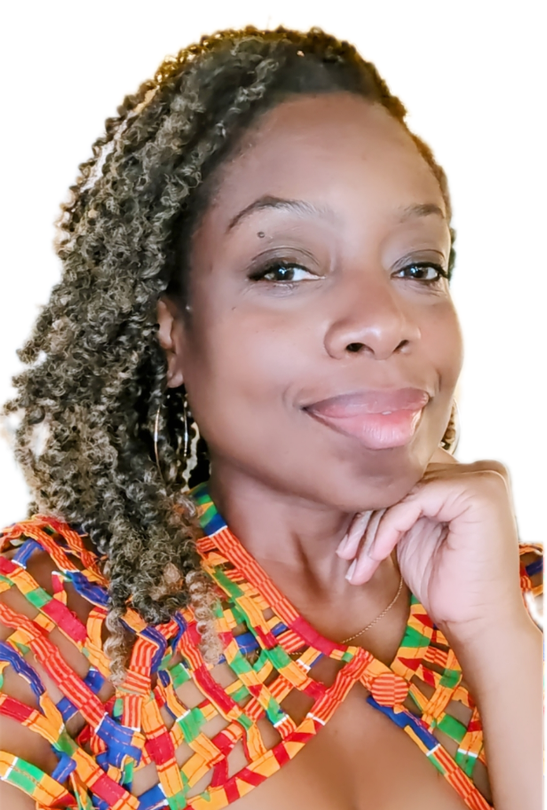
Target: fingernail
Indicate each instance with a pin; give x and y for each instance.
(367, 566)
(351, 571)
(343, 544)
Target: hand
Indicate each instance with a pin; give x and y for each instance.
(456, 541)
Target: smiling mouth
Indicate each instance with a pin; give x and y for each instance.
(379, 420)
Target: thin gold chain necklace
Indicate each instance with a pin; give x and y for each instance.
(381, 616)
(370, 624)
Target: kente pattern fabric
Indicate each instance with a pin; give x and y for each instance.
(146, 720)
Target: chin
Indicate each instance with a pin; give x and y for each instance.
(385, 481)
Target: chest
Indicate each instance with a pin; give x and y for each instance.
(334, 748)
(359, 760)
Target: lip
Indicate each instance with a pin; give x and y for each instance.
(380, 419)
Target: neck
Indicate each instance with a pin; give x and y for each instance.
(292, 538)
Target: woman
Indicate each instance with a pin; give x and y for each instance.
(259, 248)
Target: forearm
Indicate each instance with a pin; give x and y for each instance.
(503, 668)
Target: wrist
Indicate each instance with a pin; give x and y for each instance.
(490, 629)
(489, 651)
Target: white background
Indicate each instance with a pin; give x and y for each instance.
(472, 75)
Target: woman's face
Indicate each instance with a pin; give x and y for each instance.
(317, 307)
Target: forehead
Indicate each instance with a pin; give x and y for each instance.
(336, 151)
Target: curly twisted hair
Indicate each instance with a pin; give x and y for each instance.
(96, 374)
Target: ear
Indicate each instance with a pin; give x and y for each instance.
(171, 338)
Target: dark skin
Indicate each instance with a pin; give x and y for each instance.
(252, 353)
(306, 500)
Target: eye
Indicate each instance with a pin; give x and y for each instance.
(427, 272)
(282, 272)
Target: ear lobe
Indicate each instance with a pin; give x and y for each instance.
(169, 330)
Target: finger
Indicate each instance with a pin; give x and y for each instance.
(362, 569)
(371, 530)
(443, 500)
(491, 465)
(395, 524)
(364, 566)
(472, 474)
(347, 549)
(439, 469)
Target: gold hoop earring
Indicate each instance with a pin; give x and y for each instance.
(186, 437)
(156, 433)
(449, 441)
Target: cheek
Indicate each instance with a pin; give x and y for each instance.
(241, 365)
(442, 342)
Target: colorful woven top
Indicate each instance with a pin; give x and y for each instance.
(164, 713)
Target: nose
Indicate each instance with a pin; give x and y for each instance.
(374, 321)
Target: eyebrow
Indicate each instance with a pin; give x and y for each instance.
(421, 210)
(307, 208)
(295, 206)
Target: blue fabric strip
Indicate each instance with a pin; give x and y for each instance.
(7, 653)
(118, 739)
(25, 551)
(405, 718)
(94, 593)
(64, 767)
(67, 708)
(153, 799)
(94, 680)
(535, 567)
